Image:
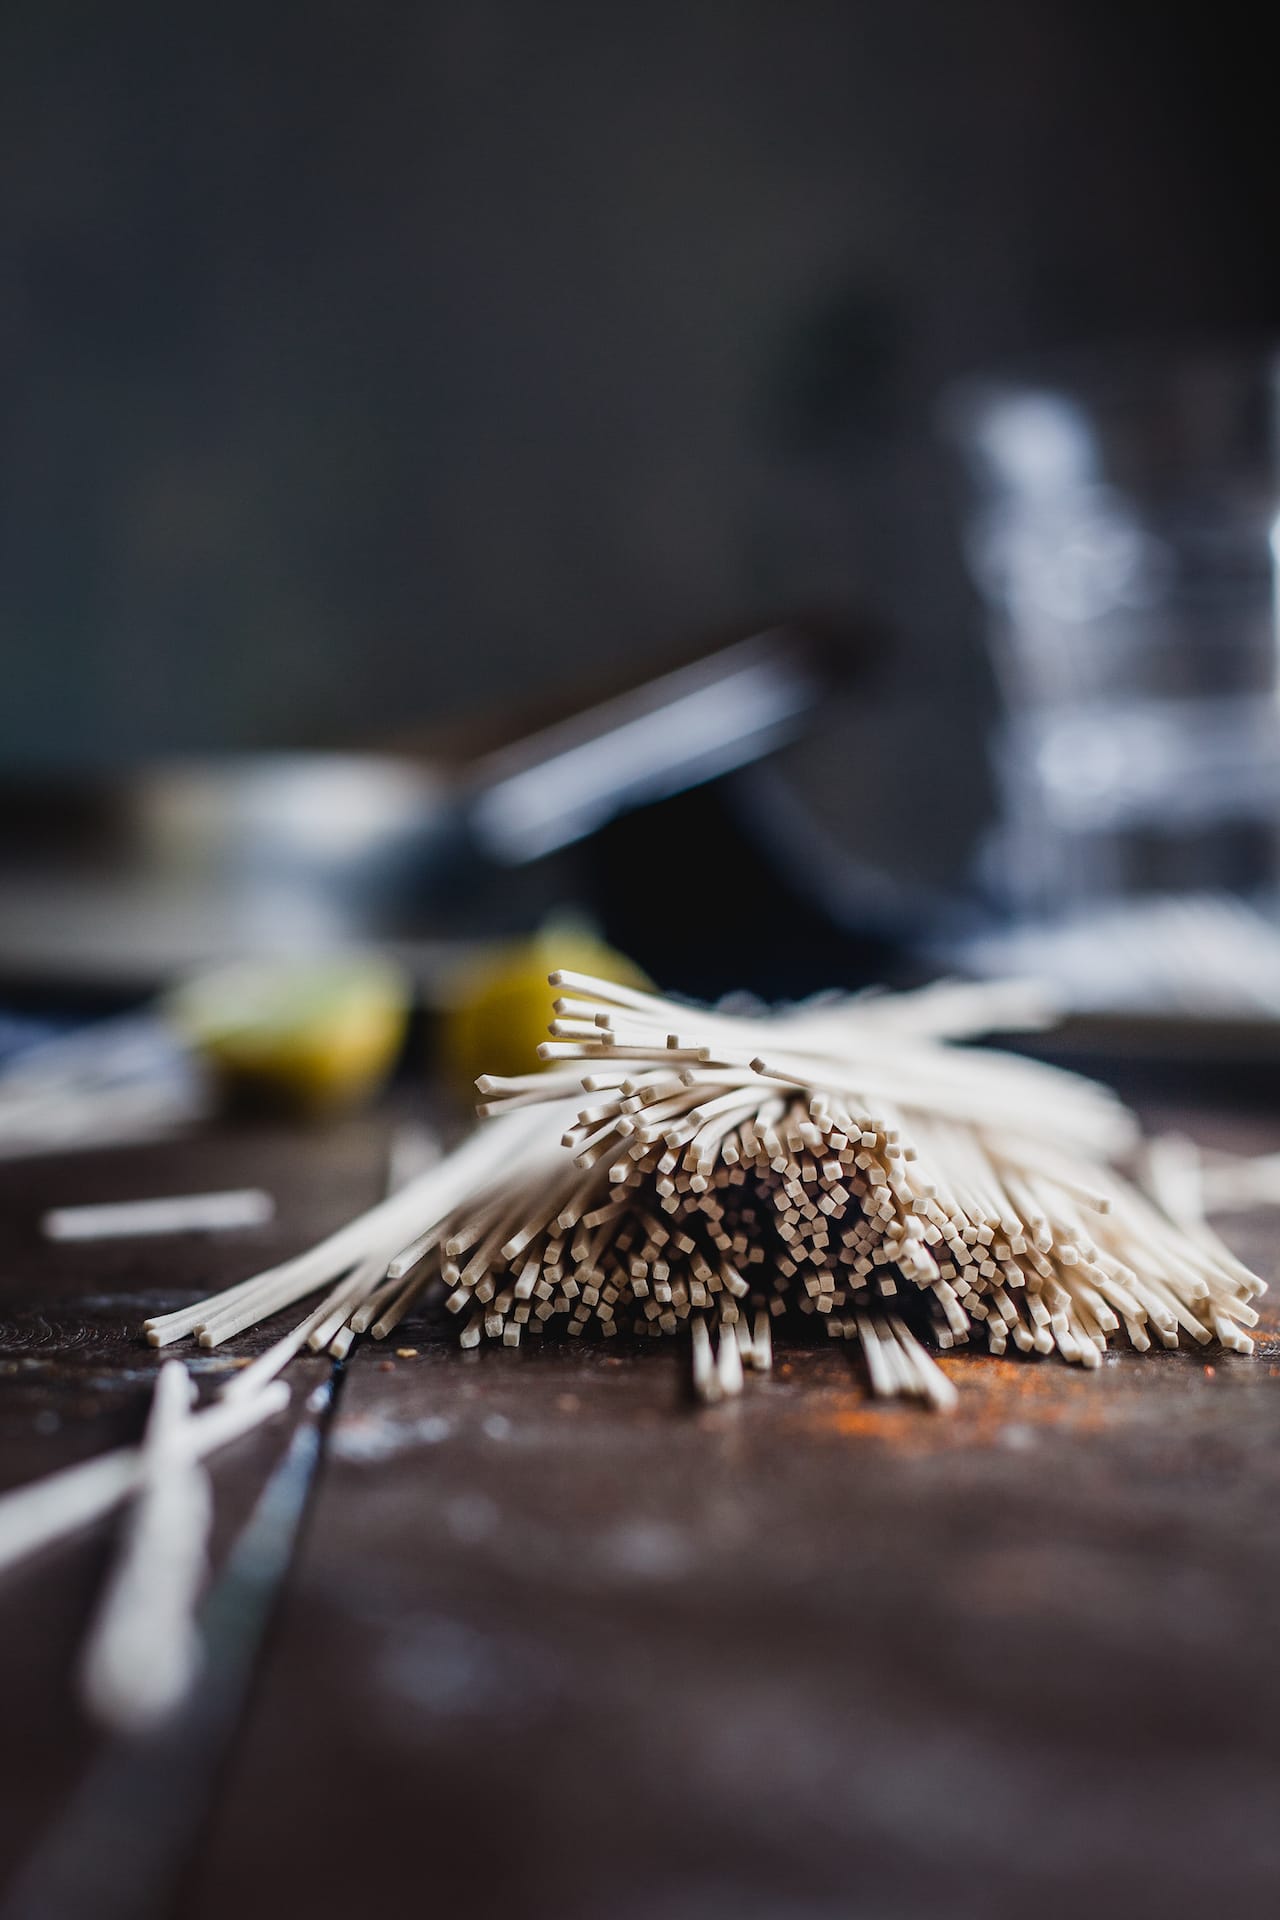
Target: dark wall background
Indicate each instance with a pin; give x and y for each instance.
(361, 362)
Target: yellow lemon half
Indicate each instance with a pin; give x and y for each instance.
(314, 1035)
(501, 1006)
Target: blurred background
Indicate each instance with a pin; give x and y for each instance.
(363, 361)
(394, 379)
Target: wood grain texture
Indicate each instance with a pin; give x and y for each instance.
(557, 1643)
(75, 1379)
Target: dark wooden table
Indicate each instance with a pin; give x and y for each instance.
(556, 1644)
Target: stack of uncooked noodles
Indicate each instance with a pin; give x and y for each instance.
(842, 1168)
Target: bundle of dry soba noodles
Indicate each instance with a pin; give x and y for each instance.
(843, 1168)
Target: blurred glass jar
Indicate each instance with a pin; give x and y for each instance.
(1122, 529)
